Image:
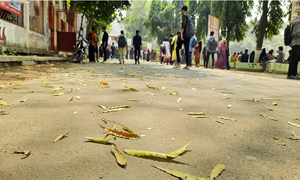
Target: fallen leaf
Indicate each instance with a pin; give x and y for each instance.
(58, 88)
(196, 113)
(200, 116)
(127, 129)
(253, 100)
(75, 112)
(77, 97)
(275, 99)
(217, 171)
(157, 154)
(268, 117)
(179, 99)
(31, 91)
(218, 121)
(118, 106)
(100, 90)
(134, 100)
(100, 140)
(295, 136)
(268, 108)
(15, 87)
(60, 137)
(141, 78)
(226, 92)
(179, 174)
(229, 106)
(155, 88)
(275, 103)
(104, 83)
(194, 89)
(104, 120)
(293, 124)
(70, 99)
(163, 88)
(26, 153)
(226, 118)
(2, 103)
(24, 100)
(226, 98)
(78, 89)
(149, 93)
(121, 159)
(121, 134)
(4, 113)
(58, 94)
(282, 144)
(174, 93)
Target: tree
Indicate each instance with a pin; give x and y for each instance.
(203, 10)
(269, 24)
(164, 19)
(232, 15)
(100, 11)
(135, 16)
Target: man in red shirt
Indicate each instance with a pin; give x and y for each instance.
(92, 47)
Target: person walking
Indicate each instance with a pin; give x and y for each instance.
(245, 57)
(171, 47)
(295, 45)
(185, 39)
(137, 43)
(104, 43)
(252, 56)
(221, 62)
(211, 47)
(122, 44)
(166, 53)
(92, 47)
(192, 44)
(177, 48)
(174, 44)
(263, 58)
(197, 51)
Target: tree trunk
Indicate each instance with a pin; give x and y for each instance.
(89, 27)
(263, 25)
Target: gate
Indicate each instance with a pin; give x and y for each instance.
(66, 31)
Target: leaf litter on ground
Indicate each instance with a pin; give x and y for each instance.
(151, 87)
(60, 137)
(226, 118)
(3, 103)
(172, 155)
(100, 140)
(120, 134)
(217, 171)
(26, 153)
(179, 174)
(121, 159)
(293, 124)
(268, 117)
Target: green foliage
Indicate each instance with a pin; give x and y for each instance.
(232, 15)
(102, 11)
(203, 10)
(135, 16)
(2, 52)
(11, 52)
(164, 19)
(274, 20)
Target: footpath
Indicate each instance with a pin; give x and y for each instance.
(246, 121)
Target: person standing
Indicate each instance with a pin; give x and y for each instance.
(192, 45)
(281, 55)
(171, 47)
(178, 50)
(252, 55)
(263, 58)
(197, 51)
(221, 62)
(245, 57)
(122, 44)
(295, 45)
(96, 48)
(167, 53)
(204, 56)
(92, 41)
(100, 51)
(104, 43)
(148, 55)
(211, 47)
(113, 51)
(174, 52)
(137, 43)
(185, 39)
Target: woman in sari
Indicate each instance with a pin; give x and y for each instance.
(174, 44)
(221, 62)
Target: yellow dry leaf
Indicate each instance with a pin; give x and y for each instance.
(100, 90)
(293, 124)
(15, 87)
(58, 94)
(2, 103)
(275, 103)
(141, 78)
(216, 171)
(78, 97)
(151, 87)
(104, 83)
(229, 106)
(100, 140)
(179, 174)
(24, 100)
(121, 159)
(197, 113)
(179, 99)
(31, 91)
(60, 137)
(180, 151)
(58, 88)
(149, 93)
(78, 89)
(282, 144)
(163, 88)
(70, 99)
(75, 112)
(134, 100)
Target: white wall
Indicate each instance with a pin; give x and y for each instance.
(21, 38)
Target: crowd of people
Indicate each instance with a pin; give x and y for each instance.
(179, 49)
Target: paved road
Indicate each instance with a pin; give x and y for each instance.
(249, 146)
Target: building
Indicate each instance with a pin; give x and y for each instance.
(37, 27)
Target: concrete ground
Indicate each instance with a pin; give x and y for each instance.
(250, 147)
